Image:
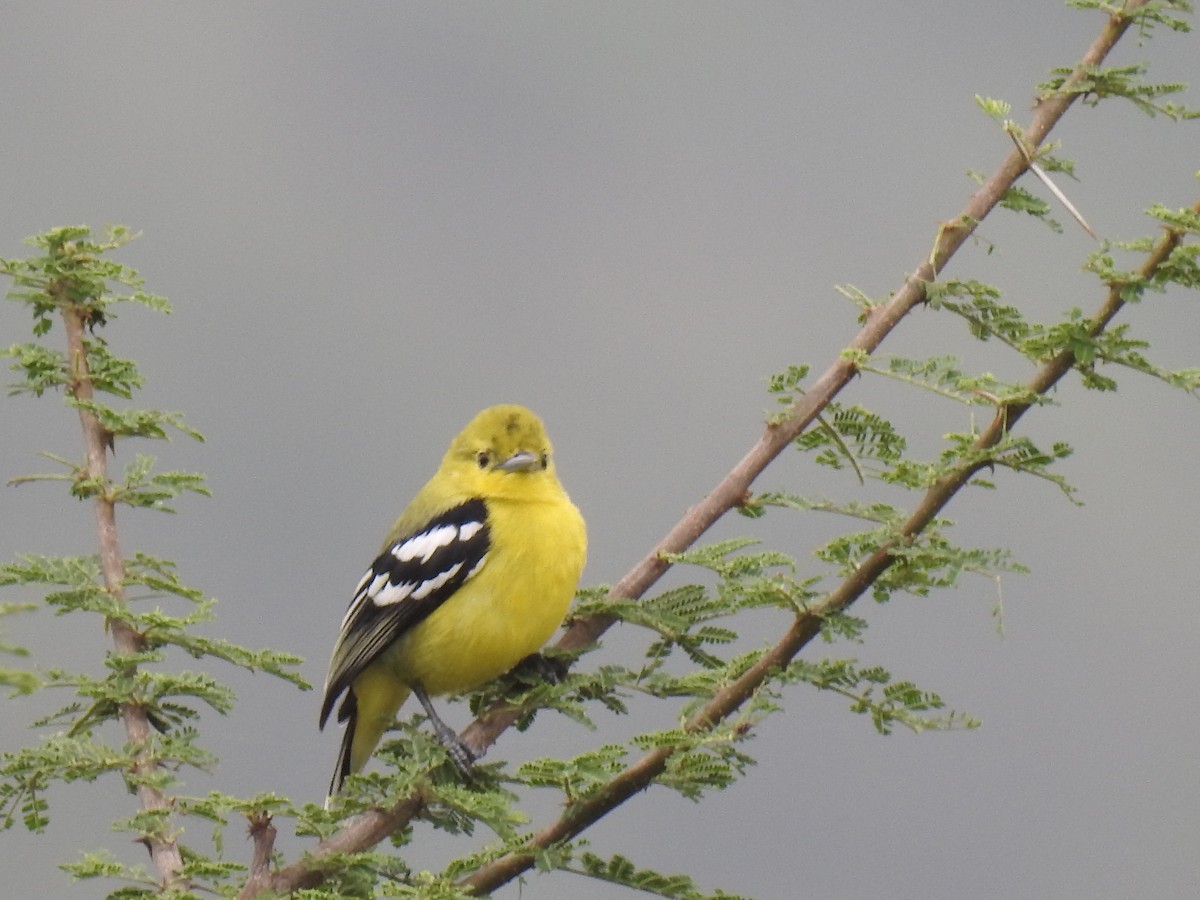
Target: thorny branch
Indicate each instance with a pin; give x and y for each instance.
(808, 625)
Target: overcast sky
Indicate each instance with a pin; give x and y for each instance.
(375, 219)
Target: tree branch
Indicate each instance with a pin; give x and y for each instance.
(725, 702)
(164, 851)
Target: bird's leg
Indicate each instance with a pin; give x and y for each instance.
(460, 754)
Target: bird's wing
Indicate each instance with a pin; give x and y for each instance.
(409, 580)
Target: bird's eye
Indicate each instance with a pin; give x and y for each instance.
(483, 458)
(545, 460)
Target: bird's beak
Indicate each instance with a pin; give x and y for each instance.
(521, 462)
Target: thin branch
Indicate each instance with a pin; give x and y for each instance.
(727, 701)
(369, 828)
(164, 851)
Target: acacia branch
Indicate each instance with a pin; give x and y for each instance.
(164, 851)
(724, 703)
(807, 625)
(368, 828)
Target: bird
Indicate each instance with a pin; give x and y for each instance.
(474, 577)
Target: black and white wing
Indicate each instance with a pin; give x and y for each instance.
(408, 581)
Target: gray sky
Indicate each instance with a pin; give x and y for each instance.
(374, 220)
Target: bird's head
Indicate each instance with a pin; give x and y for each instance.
(503, 452)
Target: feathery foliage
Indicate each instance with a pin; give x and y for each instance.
(704, 677)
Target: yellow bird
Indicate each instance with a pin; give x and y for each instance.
(475, 575)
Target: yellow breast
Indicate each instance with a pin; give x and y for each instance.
(508, 609)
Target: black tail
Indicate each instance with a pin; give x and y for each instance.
(348, 713)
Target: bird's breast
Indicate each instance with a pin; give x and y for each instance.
(507, 611)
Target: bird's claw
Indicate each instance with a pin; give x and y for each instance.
(461, 755)
(550, 669)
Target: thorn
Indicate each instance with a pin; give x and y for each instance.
(1062, 198)
(991, 398)
(1051, 186)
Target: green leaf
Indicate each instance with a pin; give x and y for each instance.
(869, 437)
(1099, 83)
(144, 423)
(873, 693)
(41, 369)
(619, 870)
(579, 777)
(152, 490)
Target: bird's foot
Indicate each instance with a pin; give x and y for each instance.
(456, 748)
(549, 668)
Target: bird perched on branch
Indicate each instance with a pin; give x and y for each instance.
(475, 575)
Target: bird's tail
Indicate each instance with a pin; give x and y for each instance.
(368, 712)
(342, 767)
